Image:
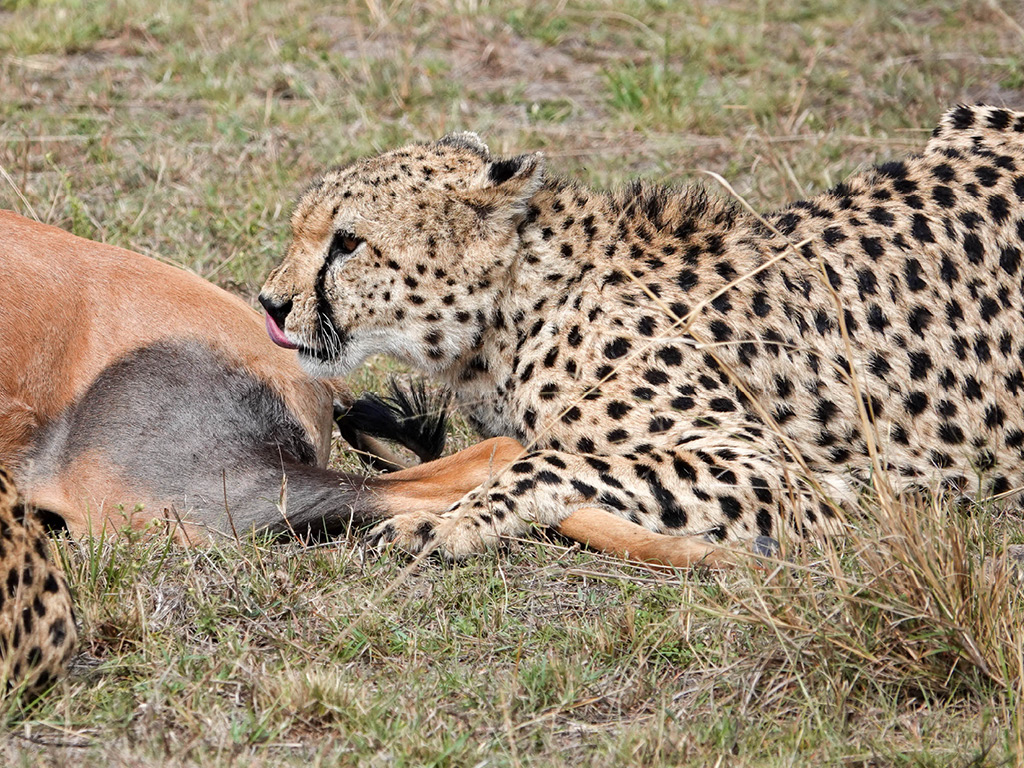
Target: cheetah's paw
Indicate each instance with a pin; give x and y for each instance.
(452, 537)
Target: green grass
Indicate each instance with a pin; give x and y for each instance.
(185, 130)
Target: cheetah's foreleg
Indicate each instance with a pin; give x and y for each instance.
(734, 496)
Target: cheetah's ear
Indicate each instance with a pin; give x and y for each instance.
(506, 184)
(516, 170)
(465, 140)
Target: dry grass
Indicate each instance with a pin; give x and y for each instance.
(184, 130)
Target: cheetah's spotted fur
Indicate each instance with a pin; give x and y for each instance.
(670, 357)
(37, 621)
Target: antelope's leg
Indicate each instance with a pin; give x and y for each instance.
(436, 485)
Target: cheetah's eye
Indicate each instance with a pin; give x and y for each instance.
(343, 244)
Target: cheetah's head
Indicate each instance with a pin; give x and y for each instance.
(403, 254)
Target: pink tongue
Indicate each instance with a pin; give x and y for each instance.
(277, 335)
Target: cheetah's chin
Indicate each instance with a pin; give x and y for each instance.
(351, 349)
(320, 365)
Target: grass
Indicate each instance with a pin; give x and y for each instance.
(184, 130)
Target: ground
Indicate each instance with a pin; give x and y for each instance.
(186, 130)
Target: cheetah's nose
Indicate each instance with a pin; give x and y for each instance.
(276, 315)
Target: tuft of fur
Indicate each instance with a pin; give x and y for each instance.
(416, 417)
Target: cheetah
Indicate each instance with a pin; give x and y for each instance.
(37, 621)
(669, 356)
